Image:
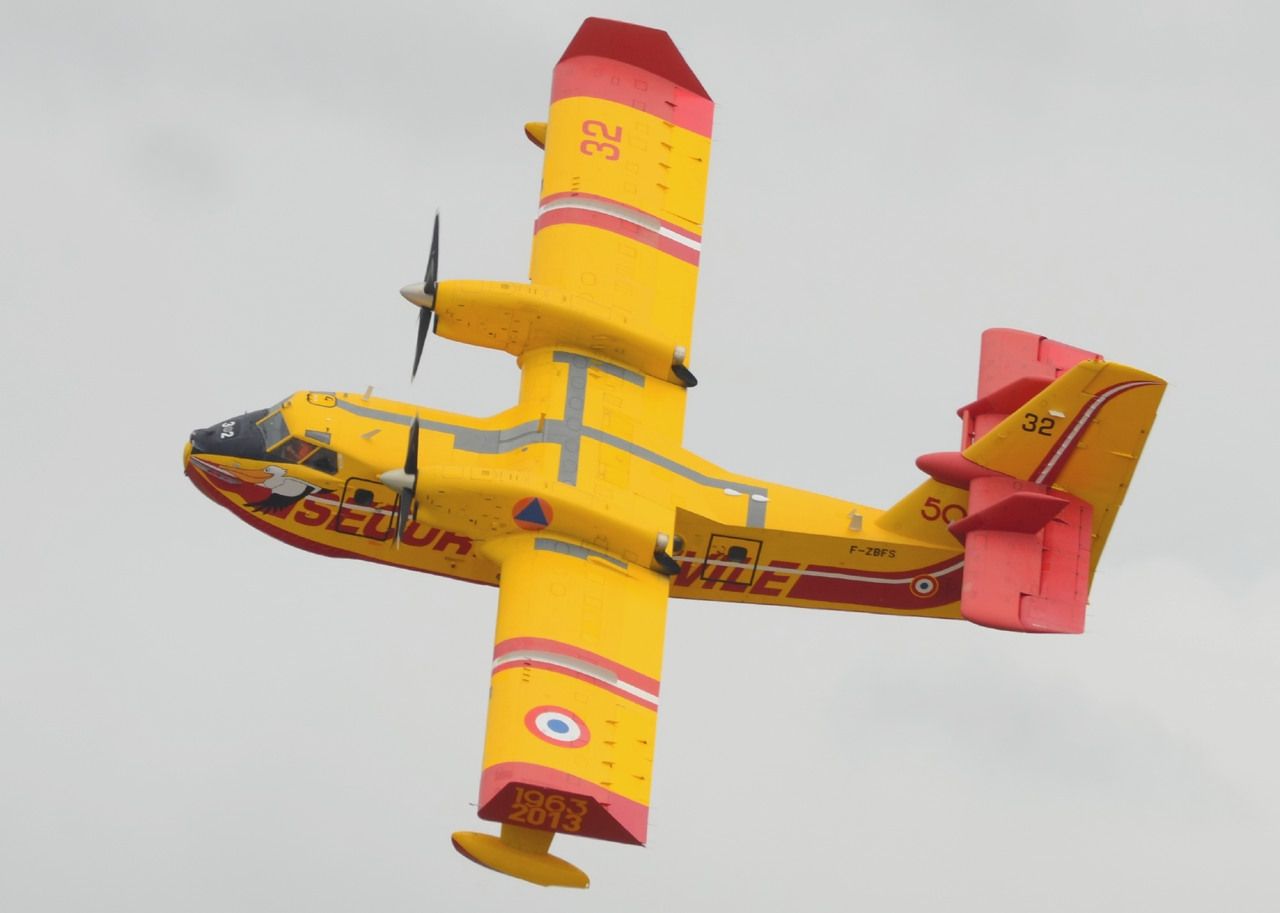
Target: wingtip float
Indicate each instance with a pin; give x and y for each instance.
(581, 505)
(522, 853)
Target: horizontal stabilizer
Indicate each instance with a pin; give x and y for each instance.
(1017, 512)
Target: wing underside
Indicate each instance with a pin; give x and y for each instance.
(578, 649)
(628, 142)
(573, 706)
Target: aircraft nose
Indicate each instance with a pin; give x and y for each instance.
(236, 437)
(203, 440)
(186, 453)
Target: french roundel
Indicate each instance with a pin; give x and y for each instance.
(557, 726)
(924, 586)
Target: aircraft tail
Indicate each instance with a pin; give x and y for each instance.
(1047, 453)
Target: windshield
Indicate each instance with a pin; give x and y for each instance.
(274, 430)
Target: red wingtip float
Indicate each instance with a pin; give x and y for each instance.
(582, 506)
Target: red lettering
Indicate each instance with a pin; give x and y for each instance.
(767, 577)
(417, 535)
(714, 573)
(312, 513)
(371, 528)
(461, 544)
(689, 570)
(731, 583)
(341, 522)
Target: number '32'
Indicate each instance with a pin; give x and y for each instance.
(602, 139)
(1038, 424)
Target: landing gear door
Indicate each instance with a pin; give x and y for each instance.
(368, 509)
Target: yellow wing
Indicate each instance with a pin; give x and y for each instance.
(602, 333)
(573, 707)
(628, 142)
(618, 235)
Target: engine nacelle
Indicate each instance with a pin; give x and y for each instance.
(520, 317)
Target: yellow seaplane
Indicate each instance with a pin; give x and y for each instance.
(580, 504)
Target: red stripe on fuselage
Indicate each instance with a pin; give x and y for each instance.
(888, 593)
(290, 538)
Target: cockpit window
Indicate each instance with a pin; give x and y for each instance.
(274, 430)
(324, 460)
(294, 450)
(285, 449)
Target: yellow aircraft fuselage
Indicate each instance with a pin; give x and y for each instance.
(559, 462)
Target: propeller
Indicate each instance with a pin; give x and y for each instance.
(666, 564)
(405, 481)
(423, 294)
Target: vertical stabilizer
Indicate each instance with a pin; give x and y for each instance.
(1047, 452)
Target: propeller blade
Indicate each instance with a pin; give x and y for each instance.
(402, 518)
(424, 295)
(684, 375)
(411, 456)
(424, 327)
(433, 259)
(405, 481)
(666, 564)
(408, 503)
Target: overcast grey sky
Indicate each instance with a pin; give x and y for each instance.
(206, 206)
